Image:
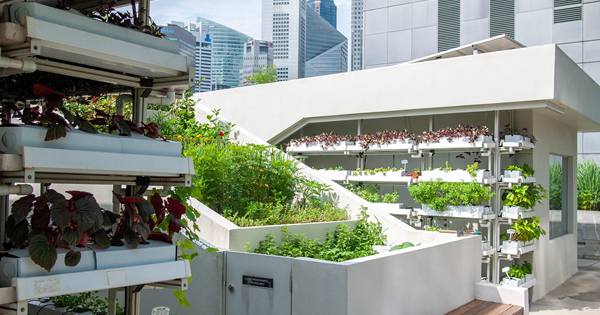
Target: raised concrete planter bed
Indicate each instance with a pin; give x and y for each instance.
(468, 212)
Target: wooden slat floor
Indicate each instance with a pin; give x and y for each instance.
(477, 307)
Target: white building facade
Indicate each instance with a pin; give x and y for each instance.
(203, 56)
(284, 24)
(356, 45)
(257, 54)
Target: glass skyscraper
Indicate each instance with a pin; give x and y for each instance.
(326, 47)
(326, 9)
(227, 53)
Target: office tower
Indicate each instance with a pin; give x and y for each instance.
(257, 54)
(284, 24)
(203, 56)
(356, 44)
(176, 31)
(326, 47)
(326, 9)
(227, 53)
(406, 30)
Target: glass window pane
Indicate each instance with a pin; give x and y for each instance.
(558, 196)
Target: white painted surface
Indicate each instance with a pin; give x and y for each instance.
(503, 294)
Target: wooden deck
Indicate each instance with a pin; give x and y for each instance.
(477, 307)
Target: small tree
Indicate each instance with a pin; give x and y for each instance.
(266, 74)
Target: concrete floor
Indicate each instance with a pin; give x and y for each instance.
(579, 295)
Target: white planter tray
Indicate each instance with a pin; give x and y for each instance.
(488, 252)
(392, 208)
(467, 212)
(391, 178)
(15, 136)
(456, 176)
(517, 180)
(461, 144)
(519, 282)
(517, 143)
(516, 248)
(317, 149)
(336, 176)
(396, 146)
(516, 212)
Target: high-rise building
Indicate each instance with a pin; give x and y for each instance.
(284, 24)
(227, 53)
(203, 56)
(406, 30)
(356, 45)
(326, 9)
(257, 54)
(326, 47)
(176, 31)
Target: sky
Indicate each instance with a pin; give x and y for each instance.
(241, 15)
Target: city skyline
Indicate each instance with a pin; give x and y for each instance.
(246, 18)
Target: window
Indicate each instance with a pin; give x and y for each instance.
(559, 195)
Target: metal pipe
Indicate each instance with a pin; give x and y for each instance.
(16, 190)
(167, 100)
(26, 66)
(497, 199)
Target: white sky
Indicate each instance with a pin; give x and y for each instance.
(241, 15)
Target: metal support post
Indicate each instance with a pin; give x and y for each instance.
(4, 212)
(132, 301)
(112, 301)
(497, 199)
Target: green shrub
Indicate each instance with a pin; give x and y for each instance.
(556, 186)
(84, 302)
(258, 214)
(438, 195)
(340, 244)
(370, 194)
(588, 185)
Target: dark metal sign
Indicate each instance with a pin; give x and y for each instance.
(258, 282)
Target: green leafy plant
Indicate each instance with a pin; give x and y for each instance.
(370, 194)
(588, 185)
(472, 169)
(527, 230)
(340, 244)
(526, 196)
(85, 302)
(527, 268)
(259, 214)
(526, 170)
(382, 170)
(266, 74)
(432, 229)
(403, 246)
(516, 271)
(439, 195)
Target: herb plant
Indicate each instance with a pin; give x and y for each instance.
(526, 196)
(370, 194)
(527, 229)
(516, 272)
(84, 302)
(526, 170)
(340, 244)
(382, 170)
(439, 195)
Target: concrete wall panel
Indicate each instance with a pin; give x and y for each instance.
(423, 41)
(375, 49)
(399, 18)
(474, 9)
(591, 51)
(399, 46)
(593, 70)
(375, 4)
(532, 5)
(397, 2)
(376, 21)
(535, 27)
(474, 30)
(424, 13)
(567, 32)
(573, 50)
(591, 21)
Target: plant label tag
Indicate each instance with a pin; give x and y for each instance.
(258, 282)
(161, 310)
(116, 277)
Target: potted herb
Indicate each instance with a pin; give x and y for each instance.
(517, 275)
(522, 233)
(514, 171)
(416, 173)
(447, 174)
(463, 199)
(514, 135)
(520, 199)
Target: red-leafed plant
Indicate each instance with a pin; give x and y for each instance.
(383, 138)
(50, 220)
(326, 140)
(471, 132)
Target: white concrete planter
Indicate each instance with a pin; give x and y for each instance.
(454, 176)
(404, 145)
(513, 282)
(390, 178)
(222, 233)
(356, 286)
(470, 212)
(459, 142)
(316, 147)
(336, 176)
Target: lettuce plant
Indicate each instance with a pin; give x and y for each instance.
(439, 195)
